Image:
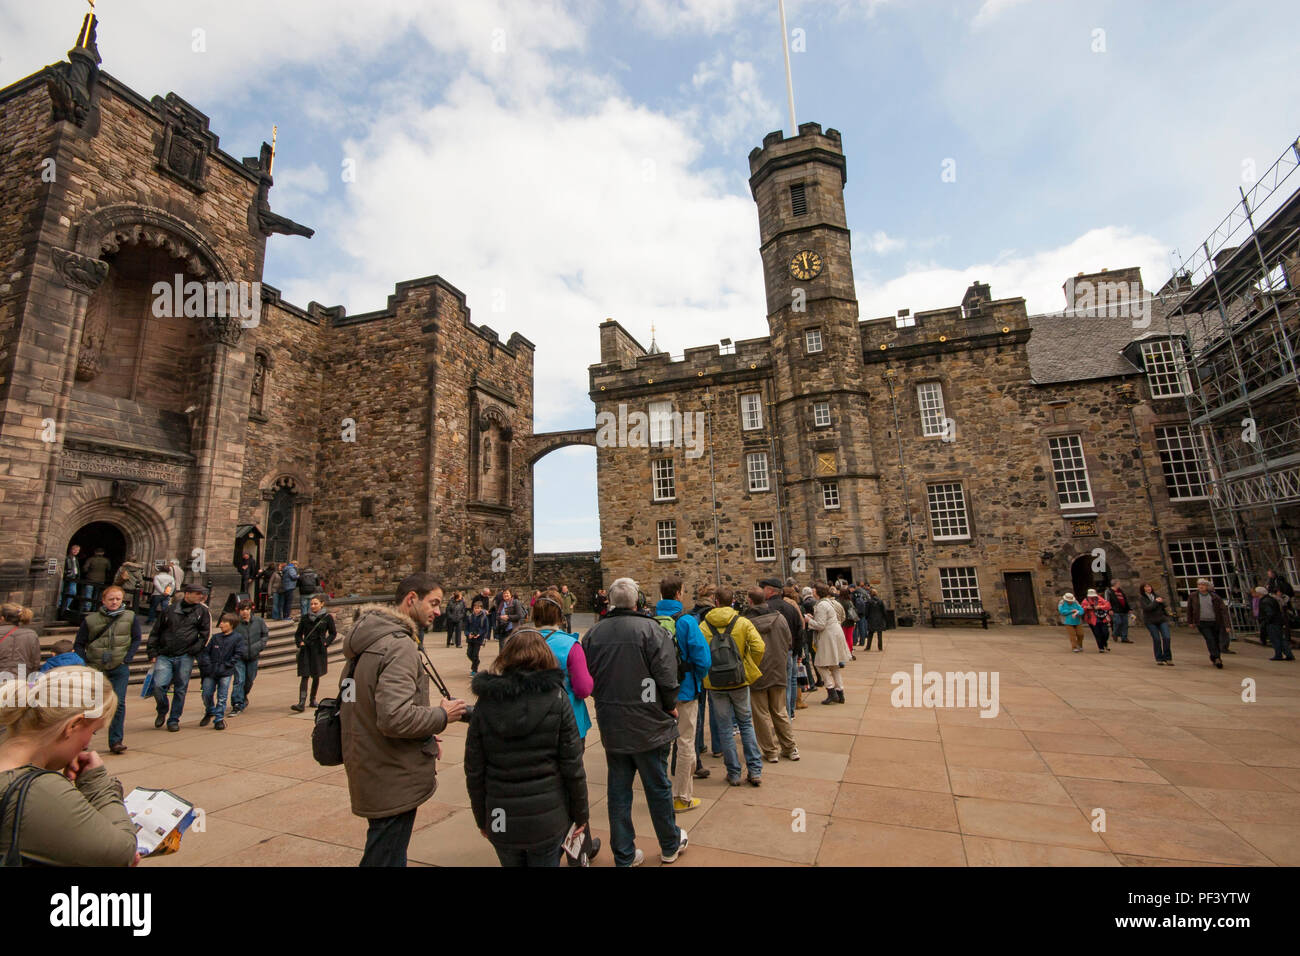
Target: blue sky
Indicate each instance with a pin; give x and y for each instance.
(561, 162)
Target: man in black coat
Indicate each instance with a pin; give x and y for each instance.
(175, 641)
(635, 677)
(1270, 625)
(772, 590)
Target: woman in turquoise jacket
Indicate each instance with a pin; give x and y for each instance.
(1071, 612)
(548, 618)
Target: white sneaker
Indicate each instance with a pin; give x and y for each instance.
(638, 859)
(681, 848)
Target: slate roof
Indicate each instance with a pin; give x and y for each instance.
(1083, 345)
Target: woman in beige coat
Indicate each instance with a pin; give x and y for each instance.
(826, 623)
(19, 644)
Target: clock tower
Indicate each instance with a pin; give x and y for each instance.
(830, 481)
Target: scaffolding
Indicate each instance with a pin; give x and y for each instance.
(1239, 311)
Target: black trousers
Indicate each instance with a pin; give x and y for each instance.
(1214, 642)
(474, 645)
(302, 687)
(387, 840)
(880, 635)
(453, 633)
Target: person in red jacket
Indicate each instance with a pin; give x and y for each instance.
(1096, 614)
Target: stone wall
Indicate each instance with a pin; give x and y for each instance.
(580, 570)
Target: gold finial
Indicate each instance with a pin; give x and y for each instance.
(271, 164)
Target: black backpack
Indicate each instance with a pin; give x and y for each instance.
(308, 581)
(728, 670)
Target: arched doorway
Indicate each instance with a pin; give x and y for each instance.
(101, 534)
(1083, 577)
(279, 522)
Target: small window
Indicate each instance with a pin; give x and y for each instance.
(798, 200)
(751, 411)
(756, 466)
(1070, 471)
(830, 495)
(666, 532)
(904, 320)
(764, 541)
(665, 485)
(812, 340)
(958, 586)
(929, 397)
(821, 414)
(1183, 458)
(948, 512)
(661, 423)
(1166, 368)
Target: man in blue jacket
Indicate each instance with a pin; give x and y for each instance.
(288, 584)
(693, 662)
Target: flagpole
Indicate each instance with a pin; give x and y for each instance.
(789, 81)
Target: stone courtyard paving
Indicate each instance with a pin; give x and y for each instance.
(1186, 771)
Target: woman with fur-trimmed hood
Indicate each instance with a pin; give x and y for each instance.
(523, 755)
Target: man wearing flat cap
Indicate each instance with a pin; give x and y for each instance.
(176, 639)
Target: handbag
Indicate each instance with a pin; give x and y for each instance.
(327, 732)
(146, 689)
(17, 791)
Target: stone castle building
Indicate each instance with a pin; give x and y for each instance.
(972, 452)
(367, 445)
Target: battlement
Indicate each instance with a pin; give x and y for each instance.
(779, 152)
(980, 321)
(702, 365)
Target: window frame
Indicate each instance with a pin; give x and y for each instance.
(669, 525)
(1057, 472)
(960, 585)
(1170, 368)
(657, 423)
(750, 458)
(758, 412)
(807, 343)
(656, 477)
(945, 518)
(831, 489)
(1188, 439)
(818, 406)
(921, 406)
(771, 532)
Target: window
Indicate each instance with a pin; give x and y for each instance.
(1166, 368)
(661, 423)
(1182, 456)
(1199, 558)
(948, 511)
(798, 200)
(665, 487)
(830, 495)
(904, 320)
(667, 534)
(821, 414)
(958, 586)
(1071, 472)
(929, 397)
(764, 541)
(812, 340)
(751, 411)
(756, 466)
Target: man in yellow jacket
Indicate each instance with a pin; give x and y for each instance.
(729, 679)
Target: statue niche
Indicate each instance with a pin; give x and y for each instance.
(490, 476)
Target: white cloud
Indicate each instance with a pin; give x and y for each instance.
(992, 9)
(1037, 276)
(727, 102)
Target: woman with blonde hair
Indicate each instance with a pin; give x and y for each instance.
(58, 805)
(18, 642)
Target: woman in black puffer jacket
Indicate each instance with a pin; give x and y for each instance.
(523, 755)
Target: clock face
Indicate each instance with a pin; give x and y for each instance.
(806, 265)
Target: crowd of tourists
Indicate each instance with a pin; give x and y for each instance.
(1108, 614)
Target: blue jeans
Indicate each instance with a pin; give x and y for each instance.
(1160, 640)
(283, 601)
(652, 765)
(304, 602)
(734, 704)
(118, 678)
(545, 854)
(860, 630)
(166, 672)
(69, 594)
(221, 687)
(158, 602)
(1119, 626)
(245, 674)
(387, 839)
(791, 685)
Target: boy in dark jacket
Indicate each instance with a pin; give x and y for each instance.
(217, 667)
(255, 634)
(477, 630)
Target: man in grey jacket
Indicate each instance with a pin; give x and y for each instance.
(635, 675)
(389, 748)
(256, 635)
